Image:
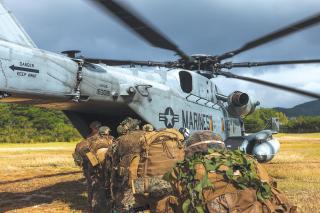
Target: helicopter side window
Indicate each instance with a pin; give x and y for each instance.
(94, 68)
(185, 81)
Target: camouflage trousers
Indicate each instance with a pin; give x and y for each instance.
(98, 197)
(155, 200)
(124, 201)
(131, 204)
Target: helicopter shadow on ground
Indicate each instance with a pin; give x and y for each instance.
(70, 192)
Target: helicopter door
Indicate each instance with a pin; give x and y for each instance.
(233, 127)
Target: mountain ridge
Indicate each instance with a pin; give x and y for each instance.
(311, 108)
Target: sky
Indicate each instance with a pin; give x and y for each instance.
(196, 26)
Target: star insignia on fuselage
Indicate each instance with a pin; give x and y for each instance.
(168, 117)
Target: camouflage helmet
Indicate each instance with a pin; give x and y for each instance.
(202, 135)
(202, 141)
(95, 124)
(147, 128)
(104, 130)
(127, 125)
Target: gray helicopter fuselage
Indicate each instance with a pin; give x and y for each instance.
(165, 98)
(41, 78)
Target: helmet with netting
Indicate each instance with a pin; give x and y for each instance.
(104, 130)
(127, 125)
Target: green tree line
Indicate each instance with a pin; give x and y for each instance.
(260, 120)
(27, 124)
(303, 124)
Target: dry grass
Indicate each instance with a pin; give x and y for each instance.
(298, 135)
(43, 178)
(40, 178)
(297, 169)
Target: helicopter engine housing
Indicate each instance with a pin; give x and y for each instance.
(240, 105)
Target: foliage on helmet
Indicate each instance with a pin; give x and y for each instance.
(127, 125)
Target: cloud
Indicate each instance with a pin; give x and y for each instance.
(306, 77)
(197, 26)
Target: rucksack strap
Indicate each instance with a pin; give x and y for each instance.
(267, 206)
(282, 202)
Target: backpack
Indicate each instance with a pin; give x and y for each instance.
(237, 183)
(93, 149)
(141, 160)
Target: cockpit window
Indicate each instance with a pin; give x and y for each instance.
(185, 81)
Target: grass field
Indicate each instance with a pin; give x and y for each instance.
(40, 178)
(43, 178)
(297, 169)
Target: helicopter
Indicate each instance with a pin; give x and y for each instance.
(166, 94)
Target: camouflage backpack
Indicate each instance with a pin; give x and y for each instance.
(141, 160)
(225, 181)
(93, 148)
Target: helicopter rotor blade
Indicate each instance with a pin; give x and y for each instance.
(273, 36)
(113, 62)
(269, 84)
(230, 65)
(140, 26)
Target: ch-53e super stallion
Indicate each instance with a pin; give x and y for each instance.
(171, 94)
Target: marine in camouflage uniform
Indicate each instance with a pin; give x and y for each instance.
(80, 147)
(123, 198)
(138, 183)
(92, 152)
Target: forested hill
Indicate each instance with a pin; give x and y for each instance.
(311, 108)
(27, 124)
